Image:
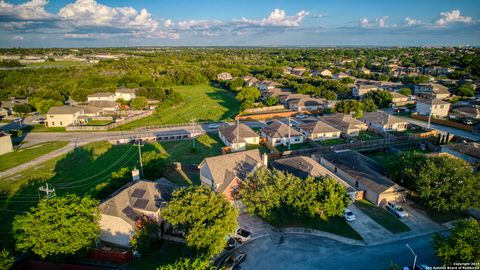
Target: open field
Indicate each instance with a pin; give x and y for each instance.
(24, 155)
(382, 217)
(335, 225)
(202, 102)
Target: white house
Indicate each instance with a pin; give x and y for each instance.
(63, 116)
(428, 90)
(5, 143)
(319, 131)
(278, 133)
(126, 94)
(102, 96)
(237, 136)
(439, 107)
(384, 122)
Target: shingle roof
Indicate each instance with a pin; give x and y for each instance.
(342, 121)
(141, 195)
(226, 168)
(101, 94)
(397, 95)
(103, 103)
(435, 101)
(64, 110)
(307, 101)
(470, 149)
(278, 129)
(230, 132)
(317, 127)
(382, 118)
(126, 90)
(361, 168)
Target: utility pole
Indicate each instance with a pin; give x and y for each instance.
(193, 133)
(50, 192)
(430, 114)
(238, 131)
(139, 144)
(288, 133)
(415, 258)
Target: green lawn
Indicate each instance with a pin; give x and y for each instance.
(295, 146)
(23, 155)
(382, 217)
(202, 102)
(384, 158)
(368, 135)
(169, 253)
(261, 148)
(98, 122)
(335, 225)
(207, 145)
(439, 217)
(42, 128)
(332, 142)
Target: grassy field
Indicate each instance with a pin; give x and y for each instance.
(23, 155)
(207, 145)
(382, 217)
(368, 135)
(335, 225)
(202, 102)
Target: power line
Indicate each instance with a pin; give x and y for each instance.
(139, 144)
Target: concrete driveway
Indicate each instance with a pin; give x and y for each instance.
(418, 222)
(371, 231)
(305, 252)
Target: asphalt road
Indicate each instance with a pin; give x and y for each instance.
(305, 252)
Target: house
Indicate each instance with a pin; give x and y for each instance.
(427, 90)
(348, 125)
(438, 107)
(384, 122)
(364, 70)
(319, 131)
(341, 75)
(360, 90)
(276, 92)
(237, 136)
(7, 105)
(224, 76)
(472, 112)
(225, 173)
(265, 85)
(364, 174)
(304, 167)
(122, 209)
(390, 86)
(91, 111)
(306, 104)
(278, 133)
(399, 99)
(5, 143)
(285, 99)
(62, 116)
(250, 81)
(102, 96)
(126, 94)
(468, 151)
(298, 71)
(325, 73)
(106, 105)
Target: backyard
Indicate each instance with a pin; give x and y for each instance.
(382, 217)
(26, 154)
(366, 135)
(333, 141)
(201, 102)
(294, 146)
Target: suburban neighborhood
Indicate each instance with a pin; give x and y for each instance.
(236, 156)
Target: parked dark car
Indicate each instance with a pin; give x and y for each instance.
(234, 260)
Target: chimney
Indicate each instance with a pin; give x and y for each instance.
(265, 159)
(135, 174)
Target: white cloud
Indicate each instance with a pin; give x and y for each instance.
(364, 22)
(381, 21)
(278, 17)
(411, 22)
(167, 23)
(451, 17)
(90, 13)
(18, 38)
(31, 10)
(199, 24)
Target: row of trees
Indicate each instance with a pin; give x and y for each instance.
(270, 194)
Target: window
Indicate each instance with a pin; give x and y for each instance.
(61, 124)
(441, 106)
(297, 139)
(335, 169)
(356, 184)
(53, 123)
(51, 116)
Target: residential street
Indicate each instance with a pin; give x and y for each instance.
(304, 252)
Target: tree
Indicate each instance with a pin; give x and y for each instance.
(43, 105)
(139, 103)
(270, 101)
(197, 263)
(22, 109)
(206, 217)
(235, 84)
(6, 260)
(447, 184)
(369, 105)
(382, 98)
(58, 227)
(462, 245)
(147, 235)
(348, 106)
(332, 196)
(248, 93)
(405, 91)
(466, 90)
(154, 164)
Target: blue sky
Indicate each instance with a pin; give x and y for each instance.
(92, 23)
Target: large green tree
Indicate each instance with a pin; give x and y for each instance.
(382, 98)
(462, 245)
(206, 217)
(139, 103)
(466, 90)
(348, 106)
(197, 263)
(154, 164)
(58, 227)
(22, 109)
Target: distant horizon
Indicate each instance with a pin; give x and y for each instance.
(249, 23)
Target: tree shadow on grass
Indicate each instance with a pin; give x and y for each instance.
(225, 99)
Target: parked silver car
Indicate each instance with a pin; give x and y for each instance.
(234, 260)
(242, 235)
(348, 215)
(396, 210)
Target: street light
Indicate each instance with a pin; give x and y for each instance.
(415, 258)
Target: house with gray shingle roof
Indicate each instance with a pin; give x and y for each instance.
(278, 133)
(319, 131)
(224, 173)
(384, 122)
(122, 209)
(62, 116)
(345, 123)
(237, 136)
(106, 96)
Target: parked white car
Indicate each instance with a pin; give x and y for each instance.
(242, 235)
(348, 215)
(396, 210)
(213, 126)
